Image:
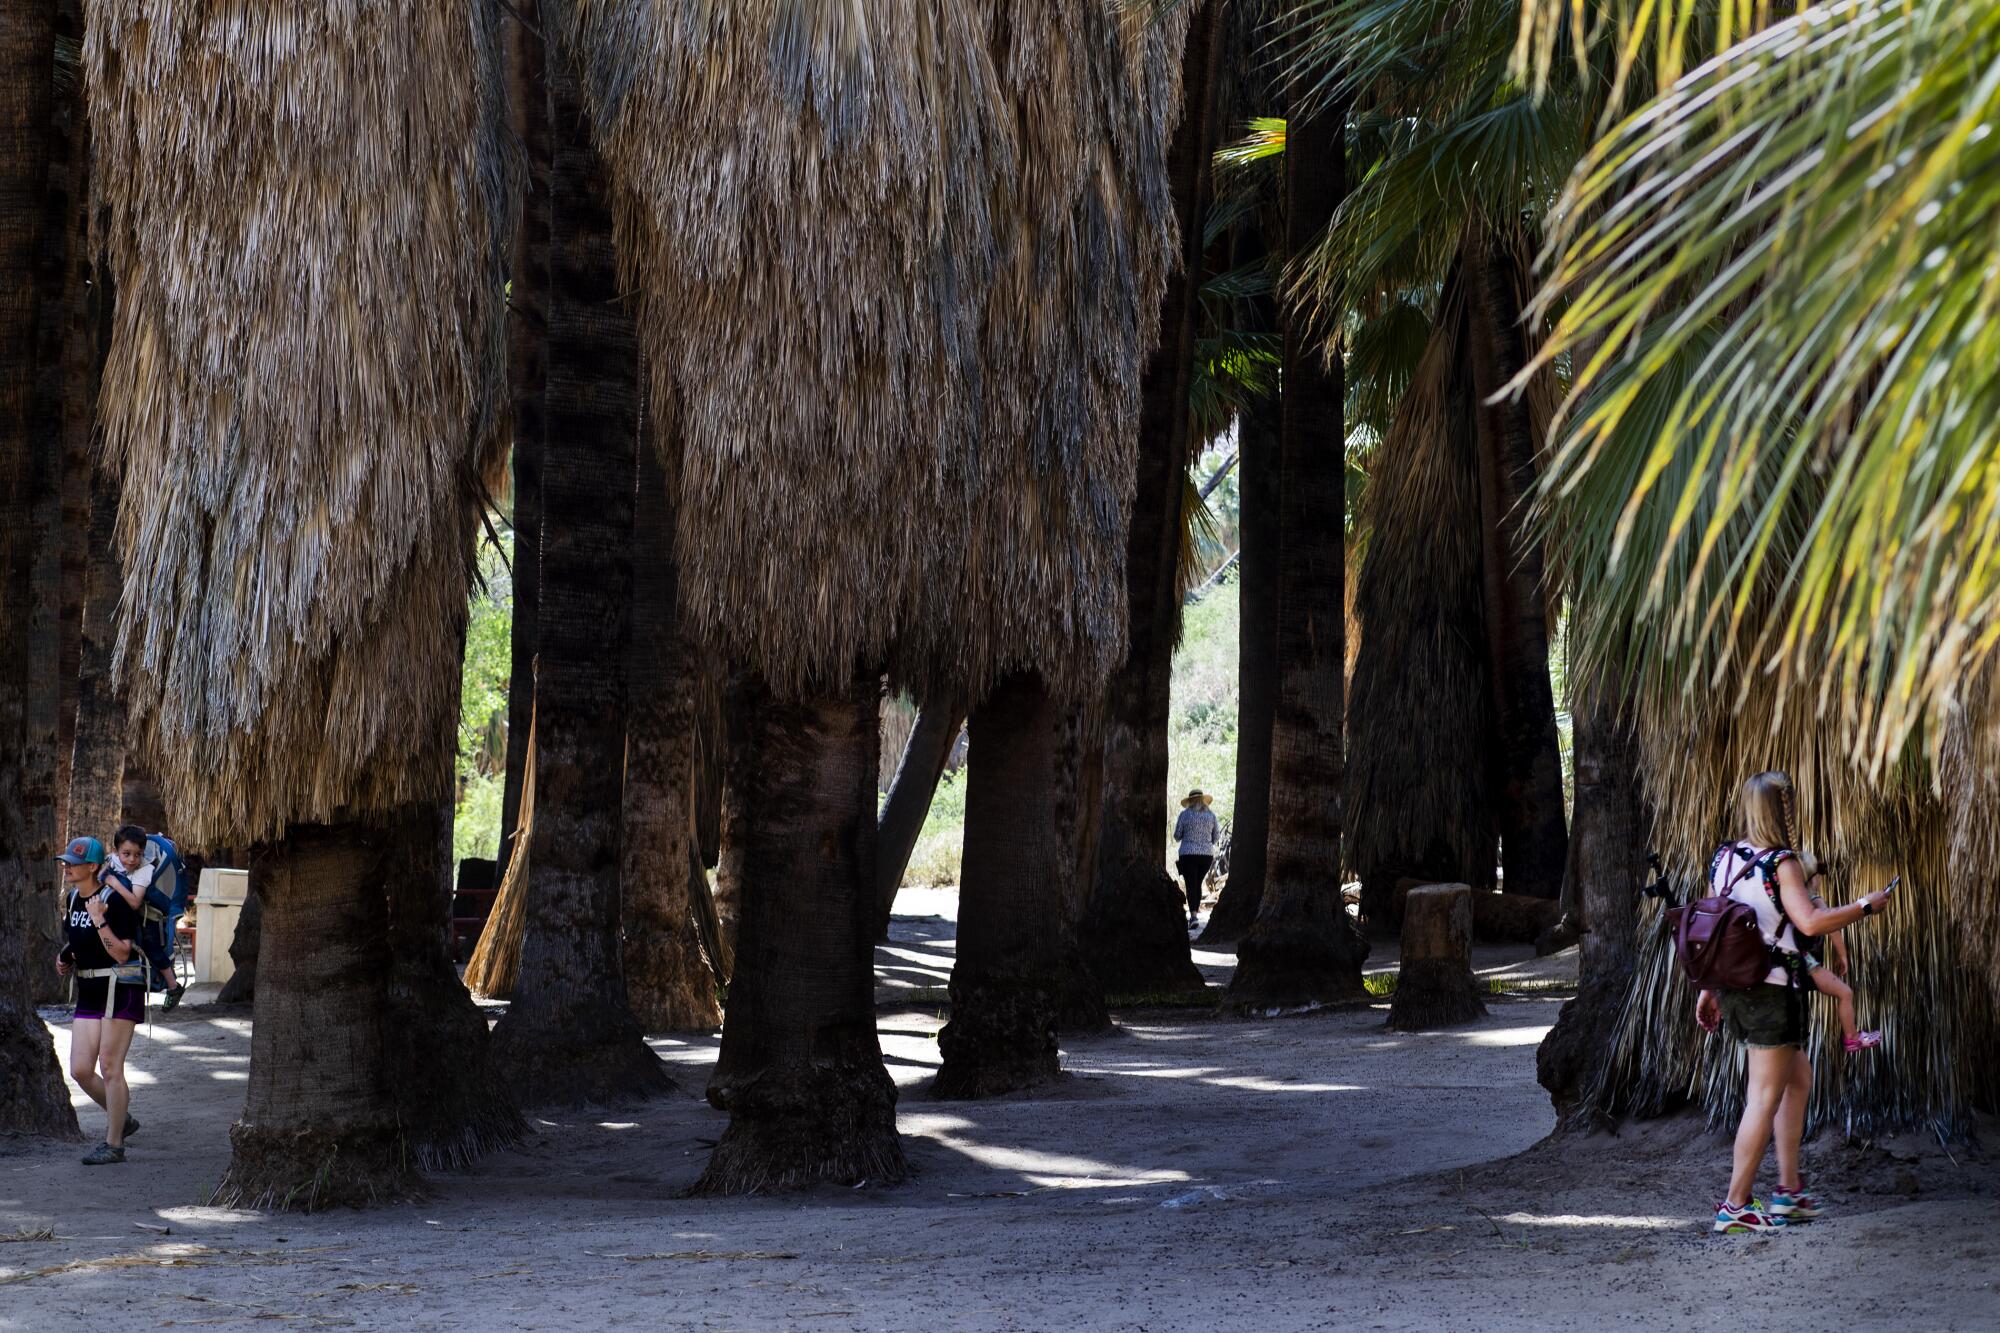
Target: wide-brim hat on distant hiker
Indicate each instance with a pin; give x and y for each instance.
(82, 852)
(1198, 797)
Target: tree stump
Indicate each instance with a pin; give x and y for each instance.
(1435, 987)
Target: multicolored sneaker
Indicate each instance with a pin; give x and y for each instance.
(1732, 1221)
(1799, 1205)
(104, 1155)
(1861, 1041)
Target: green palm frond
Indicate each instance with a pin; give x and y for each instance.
(1409, 51)
(1382, 358)
(1263, 141)
(1794, 238)
(1232, 369)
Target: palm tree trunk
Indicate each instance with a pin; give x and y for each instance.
(1612, 825)
(668, 985)
(569, 1037)
(86, 338)
(1138, 933)
(450, 1101)
(1257, 675)
(910, 792)
(1079, 804)
(1527, 778)
(97, 763)
(244, 949)
(1007, 980)
(33, 1098)
(1418, 708)
(1303, 946)
(801, 1071)
(528, 336)
(320, 1124)
(56, 113)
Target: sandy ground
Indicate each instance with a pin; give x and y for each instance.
(1195, 1172)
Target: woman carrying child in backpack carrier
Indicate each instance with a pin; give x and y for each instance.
(110, 992)
(1764, 872)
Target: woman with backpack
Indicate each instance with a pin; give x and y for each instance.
(1770, 1017)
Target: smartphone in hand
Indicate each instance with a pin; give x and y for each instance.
(1892, 886)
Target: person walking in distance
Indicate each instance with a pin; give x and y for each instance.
(1197, 831)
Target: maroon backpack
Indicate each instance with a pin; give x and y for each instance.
(1718, 941)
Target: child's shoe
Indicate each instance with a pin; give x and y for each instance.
(1799, 1205)
(1732, 1221)
(1861, 1041)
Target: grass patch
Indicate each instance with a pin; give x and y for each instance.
(28, 1234)
(1382, 985)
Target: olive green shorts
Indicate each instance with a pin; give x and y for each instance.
(1766, 1016)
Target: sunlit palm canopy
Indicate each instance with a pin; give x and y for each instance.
(1776, 284)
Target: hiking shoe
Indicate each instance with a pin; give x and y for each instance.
(1751, 1217)
(104, 1155)
(131, 1128)
(1861, 1041)
(173, 998)
(1799, 1205)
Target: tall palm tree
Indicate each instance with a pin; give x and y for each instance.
(775, 410)
(296, 685)
(1773, 473)
(1060, 428)
(1456, 164)
(97, 756)
(49, 647)
(1419, 710)
(1138, 943)
(33, 1098)
(527, 367)
(569, 1036)
(1303, 946)
(668, 984)
(939, 724)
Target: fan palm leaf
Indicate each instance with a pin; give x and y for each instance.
(1797, 213)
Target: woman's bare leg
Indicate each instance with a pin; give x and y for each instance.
(1769, 1070)
(1843, 998)
(111, 1061)
(1791, 1119)
(84, 1036)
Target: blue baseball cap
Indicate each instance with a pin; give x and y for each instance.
(82, 852)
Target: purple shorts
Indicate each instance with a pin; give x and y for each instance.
(130, 1006)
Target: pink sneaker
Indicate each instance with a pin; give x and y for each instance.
(1862, 1041)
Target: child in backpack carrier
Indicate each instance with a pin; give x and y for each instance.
(1831, 980)
(141, 862)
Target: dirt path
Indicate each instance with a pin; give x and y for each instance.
(1196, 1172)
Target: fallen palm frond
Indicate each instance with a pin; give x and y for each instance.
(495, 964)
(950, 351)
(308, 214)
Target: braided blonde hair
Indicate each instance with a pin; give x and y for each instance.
(1769, 810)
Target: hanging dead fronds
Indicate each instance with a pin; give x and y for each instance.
(897, 267)
(1913, 973)
(1971, 783)
(308, 213)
